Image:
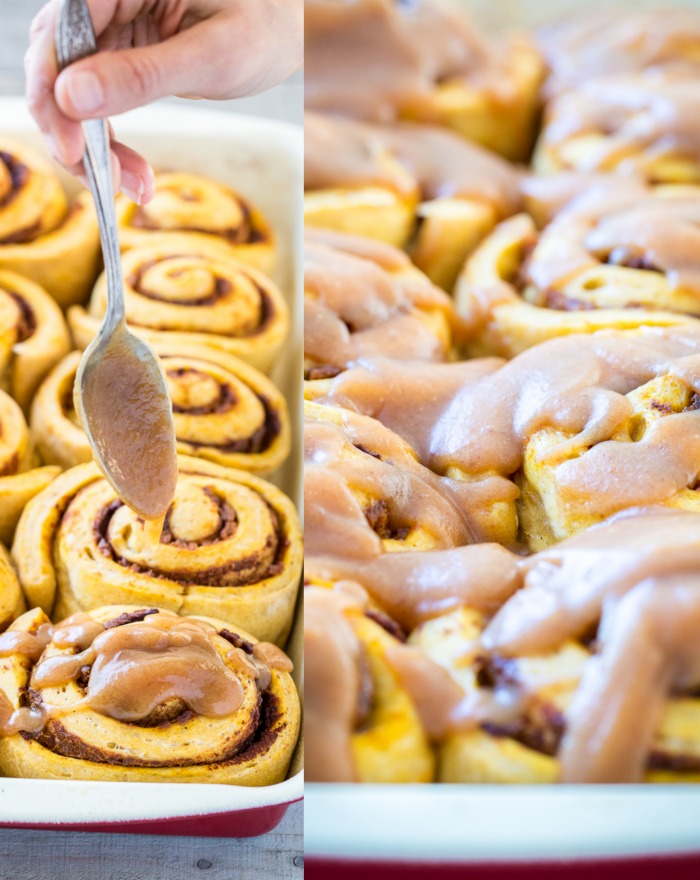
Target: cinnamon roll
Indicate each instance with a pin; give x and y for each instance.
(382, 61)
(619, 256)
(576, 664)
(587, 44)
(133, 694)
(224, 410)
(11, 598)
(33, 336)
(585, 426)
(644, 123)
(412, 186)
(41, 236)
(21, 478)
(364, 297)
(198, 296)
(365, 492)
(189, 210)
(230, 546)
(360, 723)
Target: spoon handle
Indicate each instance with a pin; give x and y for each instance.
(75, 39)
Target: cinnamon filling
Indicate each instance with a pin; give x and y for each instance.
(246, 233)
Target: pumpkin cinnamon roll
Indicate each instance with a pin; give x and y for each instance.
(588, 672)
(20, 476)
(364, 297)
(620, 256)
(189, 210)
(230, 546)
(366, 493)
(382, 61)
(414, 186)
(361, 724)
(585, 426)
(587, 44)
(198, 296)
(224, 410)
(41, 236)
(11, 598)
(33, 336)
(133, 694)
(644, 123)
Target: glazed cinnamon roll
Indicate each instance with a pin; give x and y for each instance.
(413, 186)
(587, 44)
(365, 492)
(41, 236)
(364, 297)
(33, 336)
(198, 296)
(619, 256)
(230, 546)
(577, 664)
(588, 673)
(360, 722)
(133, 694)
(11, 598)
(585, 426)
(189, 210)
(382, 61)
(20, 476)
(224, 410)
(645, 123)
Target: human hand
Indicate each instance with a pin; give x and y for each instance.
(150, 49)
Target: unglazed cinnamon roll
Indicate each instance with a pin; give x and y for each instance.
(11, 598)
(132, 694)
(201, 296)
(20, 477)
(41, 236)
(33, 336)
(644, 123)
(225, 411)
(231, 547)
(364, 297)
(360, 722)
(620, 256)
(189, 210)
(413, 186)
(381, 61)
(587, 44)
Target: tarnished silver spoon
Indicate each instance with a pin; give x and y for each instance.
(120, 391)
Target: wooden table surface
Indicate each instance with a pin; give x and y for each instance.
(32, 855)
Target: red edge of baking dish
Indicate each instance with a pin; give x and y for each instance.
(678, 867)
(232, 823)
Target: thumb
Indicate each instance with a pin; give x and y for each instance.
(113, 82)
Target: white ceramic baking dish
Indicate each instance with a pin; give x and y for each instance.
(262, 160)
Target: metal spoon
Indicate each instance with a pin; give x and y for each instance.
(120, 392)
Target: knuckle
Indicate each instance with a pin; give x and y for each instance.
(141, 74)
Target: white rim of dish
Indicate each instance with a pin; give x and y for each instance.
(454, 823)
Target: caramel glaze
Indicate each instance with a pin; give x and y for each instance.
(655, 111)
(634, 577)
(621, 223)
(372, 58)
(616, 41)
(357, 303)
(134, 665)
(341, 152)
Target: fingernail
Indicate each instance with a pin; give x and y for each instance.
(85, 91)
(132, 186)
